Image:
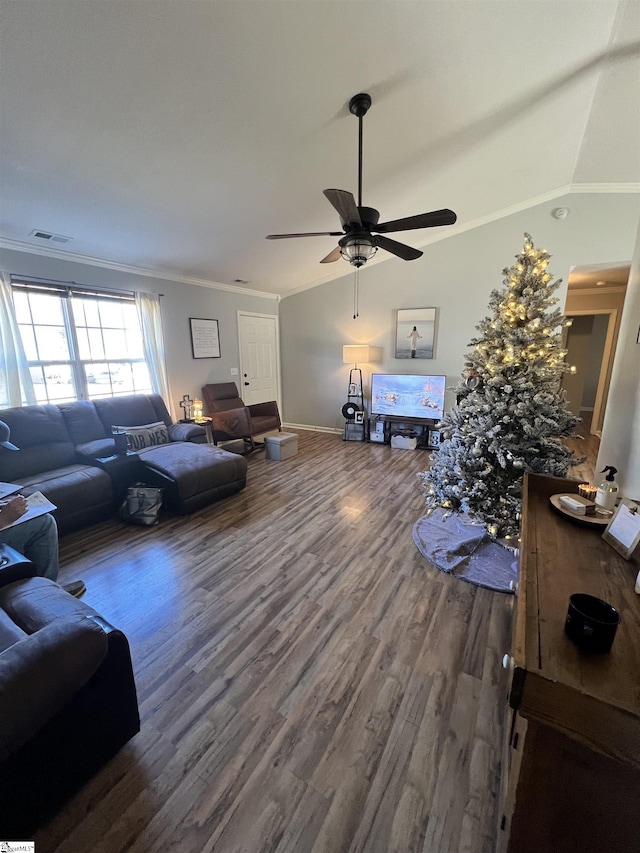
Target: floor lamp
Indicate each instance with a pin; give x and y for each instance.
(354, 354)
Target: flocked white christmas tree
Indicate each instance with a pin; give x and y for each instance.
(511, 414)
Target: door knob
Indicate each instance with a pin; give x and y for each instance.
(508, 662)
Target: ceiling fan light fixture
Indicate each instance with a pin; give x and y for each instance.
(357, 250)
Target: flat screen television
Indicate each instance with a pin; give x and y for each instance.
(407, 395)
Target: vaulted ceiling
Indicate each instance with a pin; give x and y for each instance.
(175, 134)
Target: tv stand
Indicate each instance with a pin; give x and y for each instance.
(423, 428)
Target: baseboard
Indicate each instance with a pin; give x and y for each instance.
(312, 428)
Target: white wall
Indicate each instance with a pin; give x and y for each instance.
(600, 305)
(180, 302)
(455, 275)
(577, 346)
(620, 444)
(596, 348)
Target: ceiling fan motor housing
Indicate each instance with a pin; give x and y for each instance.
(369, 216)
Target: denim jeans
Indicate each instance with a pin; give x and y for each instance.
(37, 540)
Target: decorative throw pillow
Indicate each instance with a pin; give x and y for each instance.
(147, 435)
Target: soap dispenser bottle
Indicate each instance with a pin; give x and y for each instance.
(607, 493)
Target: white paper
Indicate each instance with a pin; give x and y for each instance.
(37, 505)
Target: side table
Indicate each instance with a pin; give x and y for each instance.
(206, 423)
(123, 469)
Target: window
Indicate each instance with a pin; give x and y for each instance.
(80, 344)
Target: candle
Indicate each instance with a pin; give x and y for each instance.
(587, 491)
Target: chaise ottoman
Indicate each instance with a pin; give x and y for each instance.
(193, 475)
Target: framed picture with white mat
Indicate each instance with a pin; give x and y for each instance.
(623, 531)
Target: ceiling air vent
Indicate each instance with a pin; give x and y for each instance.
(47, 235)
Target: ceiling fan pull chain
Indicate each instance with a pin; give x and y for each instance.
(356, 282)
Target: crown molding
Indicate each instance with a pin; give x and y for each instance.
(597, 291)
(60, 254)
(604, 188)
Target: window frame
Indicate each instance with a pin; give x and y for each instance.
(78, 366)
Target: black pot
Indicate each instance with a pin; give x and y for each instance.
(591, 623)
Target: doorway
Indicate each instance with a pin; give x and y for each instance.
(590, 345)
(259, 345)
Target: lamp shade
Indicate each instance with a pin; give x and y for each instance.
(355, 353)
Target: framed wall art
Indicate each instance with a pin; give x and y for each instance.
(205, 338)
(415, 332)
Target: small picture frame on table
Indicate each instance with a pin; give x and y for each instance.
(359, 417)
(623, 531)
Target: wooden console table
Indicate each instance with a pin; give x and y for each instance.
(571, 762)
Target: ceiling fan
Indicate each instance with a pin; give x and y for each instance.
(357, 242)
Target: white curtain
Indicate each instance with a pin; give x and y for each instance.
(148, 305)
(16, 386)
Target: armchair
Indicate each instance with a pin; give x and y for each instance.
(231, 419)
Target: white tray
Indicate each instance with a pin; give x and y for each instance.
(586, 520)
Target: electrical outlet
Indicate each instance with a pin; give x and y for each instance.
(234, 371)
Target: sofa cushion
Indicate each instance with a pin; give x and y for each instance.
(83, 422)
(10, 633)
(96, 449)
(187, 432)
(146, 435)
(131, 410)
(74, 487)
(41, 434)
(32, 603)
(195, 468)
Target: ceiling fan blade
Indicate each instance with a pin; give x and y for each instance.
(422, 220)
(345, 204)
(407, 253)
(309, 234)
(332, 256)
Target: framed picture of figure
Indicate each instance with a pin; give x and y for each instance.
(415, 332)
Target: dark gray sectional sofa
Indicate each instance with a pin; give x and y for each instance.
(68, 453)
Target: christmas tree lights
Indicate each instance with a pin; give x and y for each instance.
(511, 414)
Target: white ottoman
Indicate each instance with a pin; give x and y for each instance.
(281, 446)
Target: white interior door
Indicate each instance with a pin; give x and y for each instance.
(259, 358)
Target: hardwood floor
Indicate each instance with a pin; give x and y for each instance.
(306, 680)
(584, 445)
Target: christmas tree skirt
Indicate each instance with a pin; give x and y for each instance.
(452, 543)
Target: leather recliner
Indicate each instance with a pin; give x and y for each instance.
(231, 419)
(67, 695)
